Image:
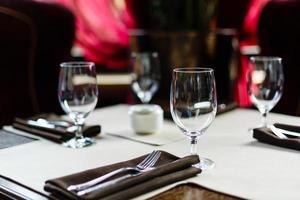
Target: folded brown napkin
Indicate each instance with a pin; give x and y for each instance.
(266, 135)
(168, 169)
(58, 134)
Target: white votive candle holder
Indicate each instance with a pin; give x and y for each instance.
(146, 118)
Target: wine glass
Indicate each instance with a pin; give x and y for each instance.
(145, 75)
(193, 104)
(265, 84)
(78, 95)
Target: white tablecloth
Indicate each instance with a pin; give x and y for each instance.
(244, 167)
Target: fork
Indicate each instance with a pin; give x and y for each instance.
(147, 163)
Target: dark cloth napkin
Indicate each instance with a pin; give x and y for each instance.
(169, 169)
(58, 135)
(267, 136)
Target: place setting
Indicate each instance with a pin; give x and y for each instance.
(78, 95)
(193, 106)
(153, 100)
(131, 178)
(265, 86)
(125, 179)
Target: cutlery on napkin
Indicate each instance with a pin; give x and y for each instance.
(289, 128)
(147, 164)
(54, 133)
(168, 169)
(266, 135)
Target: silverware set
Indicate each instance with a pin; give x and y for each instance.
(281, 133)
(277, 132)
(53, 124)
(97, 183)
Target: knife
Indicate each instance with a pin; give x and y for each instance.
(105, 184)
(45, 124)
(108, 183)
(61, 123)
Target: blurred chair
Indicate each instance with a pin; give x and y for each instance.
(34, 38)
(18, 96)
(279, 35)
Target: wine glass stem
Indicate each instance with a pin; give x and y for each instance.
(78, 133)
(264, 119)
(194, 141)
(144, 101)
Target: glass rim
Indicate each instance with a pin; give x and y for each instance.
(265, 58)
(192, 70)
(77, 64)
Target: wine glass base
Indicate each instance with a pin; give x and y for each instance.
(77, 143)
(205, 164)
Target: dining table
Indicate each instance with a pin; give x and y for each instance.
(244, 167)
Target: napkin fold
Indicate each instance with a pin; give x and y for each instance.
(267, 136)
(168, 169)
(58, 135)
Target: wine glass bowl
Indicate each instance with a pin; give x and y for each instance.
(265, 84)
(193, 104)
(78, 96)
(145, 75)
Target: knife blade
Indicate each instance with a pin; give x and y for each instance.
(105, 184)
(111, 182)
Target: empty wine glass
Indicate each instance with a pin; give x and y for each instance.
(78, 95)
(265, 84)
(145, 75)
(193, 104)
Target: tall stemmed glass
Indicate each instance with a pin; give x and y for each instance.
(265, 84)
(78, 95)
(145, 75)
(193, 104)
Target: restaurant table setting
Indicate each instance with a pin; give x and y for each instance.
(235, 174)
(130, 161)
(265, 85)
